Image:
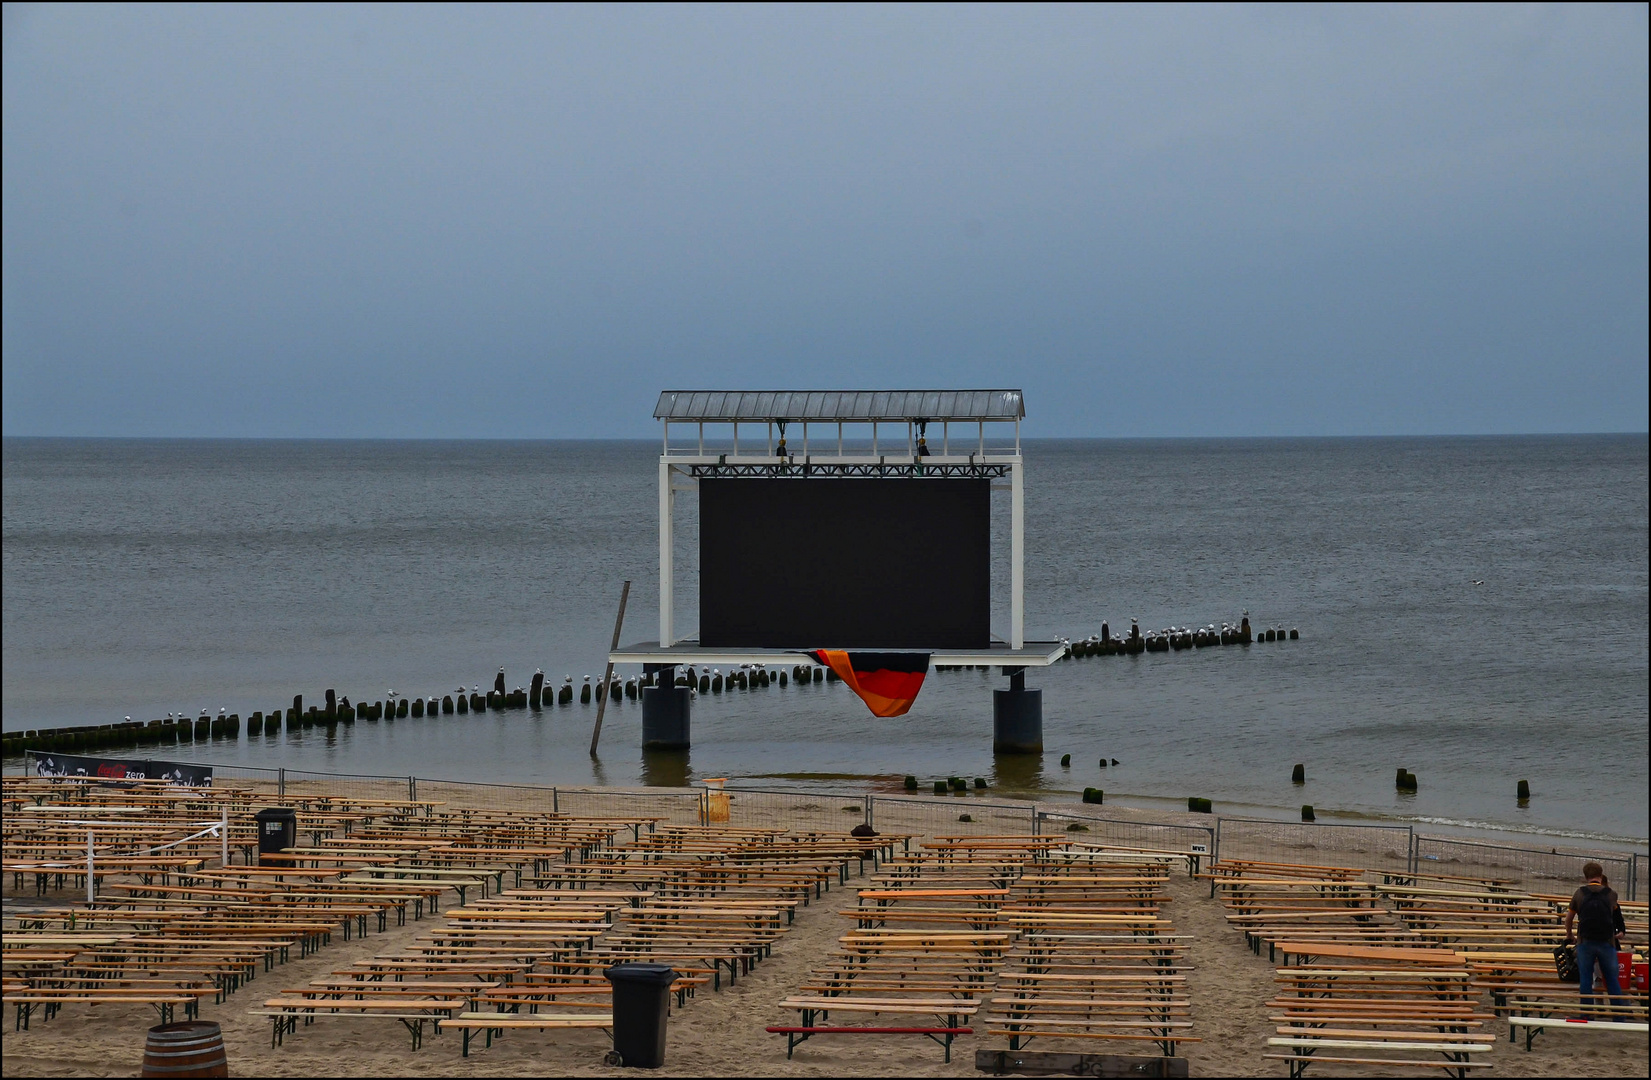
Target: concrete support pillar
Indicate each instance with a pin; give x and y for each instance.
(665, 712)
(1017, 717)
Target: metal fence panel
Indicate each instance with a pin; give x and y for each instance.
(1551, 871)
(943, 816)
(674, 806)
(1367, 847)
(811, 811)
(465, 795)
(234, 772)
(299, 785)
(1093, 828)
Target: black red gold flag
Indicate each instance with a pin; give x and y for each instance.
(887, 682)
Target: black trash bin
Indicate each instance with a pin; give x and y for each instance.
(641, 1001)
(277, 830)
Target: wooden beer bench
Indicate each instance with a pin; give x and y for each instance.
(413, 1013)
(949, 1009)
(467, 1024)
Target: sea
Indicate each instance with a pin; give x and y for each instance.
(1472, 609)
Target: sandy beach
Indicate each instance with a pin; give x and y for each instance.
(720, 1033)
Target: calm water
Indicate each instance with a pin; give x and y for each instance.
(151, 576)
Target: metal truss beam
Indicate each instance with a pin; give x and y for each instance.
(822, 470)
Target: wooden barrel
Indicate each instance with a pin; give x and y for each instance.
(193, 1048)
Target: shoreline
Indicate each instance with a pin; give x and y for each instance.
(890, 785)
(1141, 810)
(1149, 803)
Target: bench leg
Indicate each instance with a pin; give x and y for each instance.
(946, 1042)
(416, 1027)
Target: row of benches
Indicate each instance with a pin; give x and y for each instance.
(1395, 974)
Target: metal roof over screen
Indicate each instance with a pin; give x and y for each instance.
(839, 405)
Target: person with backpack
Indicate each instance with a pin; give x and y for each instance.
(1597, 925)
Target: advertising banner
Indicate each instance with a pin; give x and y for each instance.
(119, 769)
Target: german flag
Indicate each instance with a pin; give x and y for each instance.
(887, 682)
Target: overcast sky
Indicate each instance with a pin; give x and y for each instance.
(525, 222)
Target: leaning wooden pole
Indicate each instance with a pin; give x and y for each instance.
(607, 677)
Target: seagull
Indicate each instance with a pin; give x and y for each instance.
(131, 718)
(1478, 582)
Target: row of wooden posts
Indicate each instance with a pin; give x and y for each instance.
(339, 710)
(129, 733)
(1169, 639)
(1175, 638)
(542, 694)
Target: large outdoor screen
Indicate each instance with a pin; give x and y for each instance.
(826, 563)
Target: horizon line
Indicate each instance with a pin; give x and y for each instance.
(654, 439)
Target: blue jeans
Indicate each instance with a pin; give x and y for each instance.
(1605, 953)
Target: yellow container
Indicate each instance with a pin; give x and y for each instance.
(716, 801)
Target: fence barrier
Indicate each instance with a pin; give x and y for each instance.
(1126, 832)
(958, 815)
(674, 806)
(1530, 868)
(1369, 847)
(525, 797)
(817, 811)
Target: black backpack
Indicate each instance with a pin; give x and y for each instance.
(1594, 922)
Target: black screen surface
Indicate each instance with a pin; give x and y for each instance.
(873, 564)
